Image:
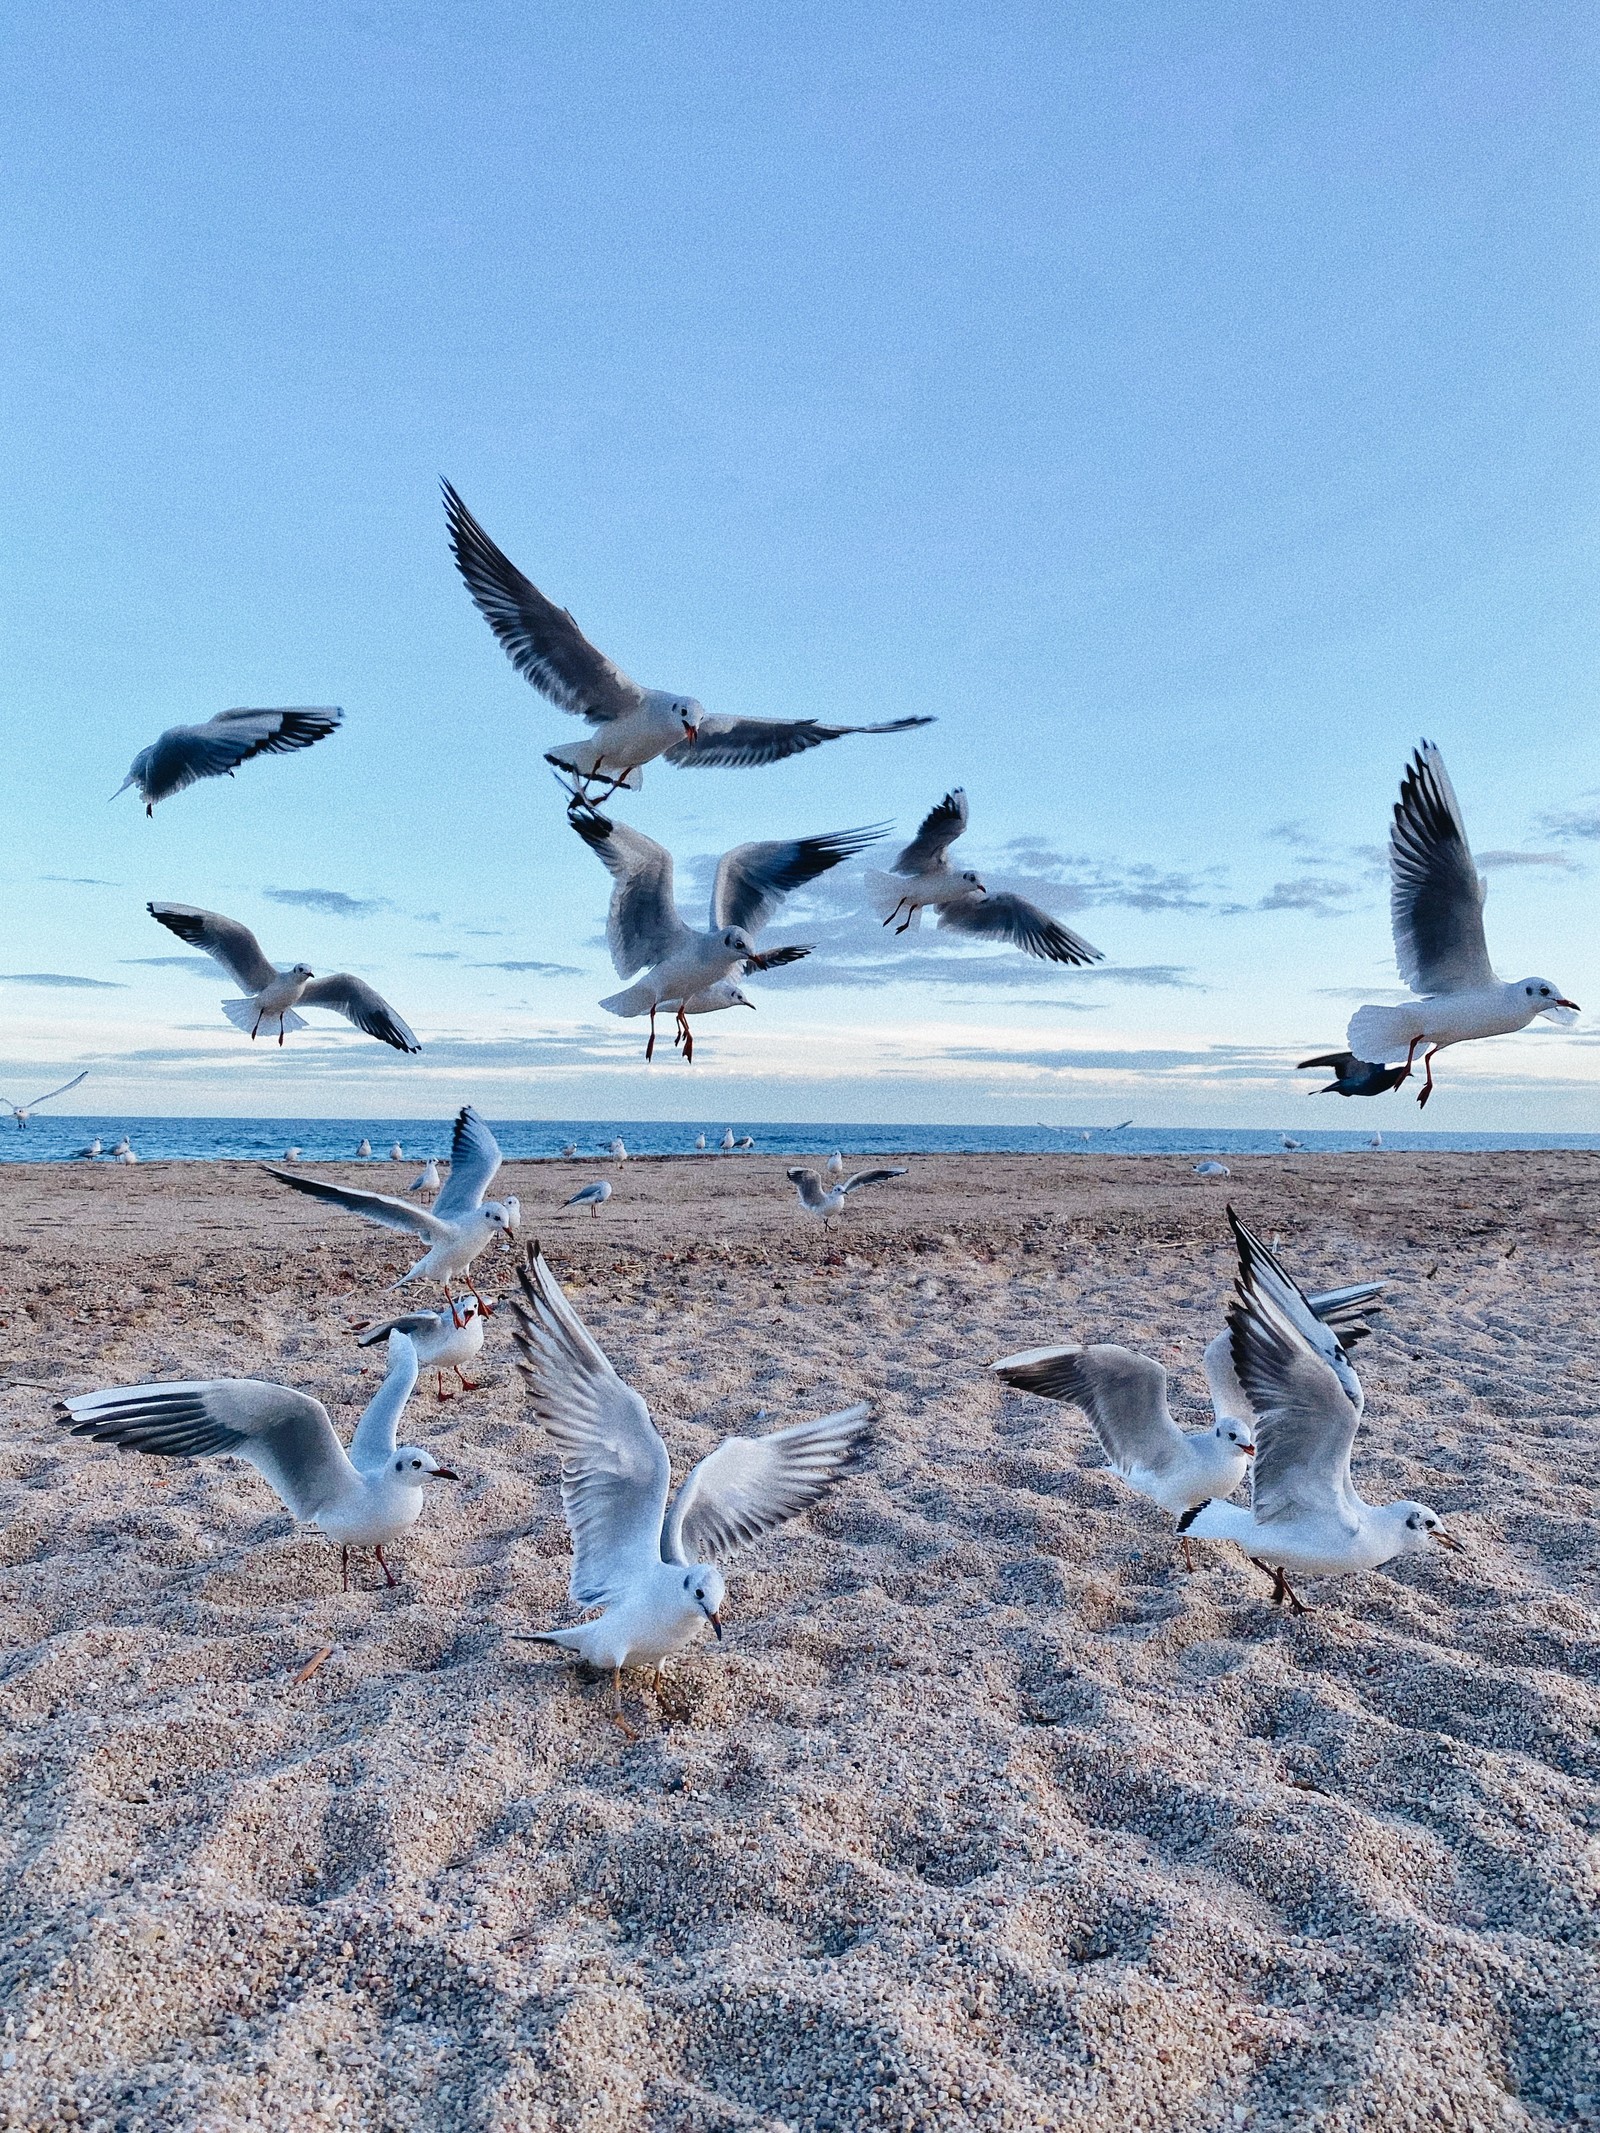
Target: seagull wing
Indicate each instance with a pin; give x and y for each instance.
(49, 1093)
(1435, 891)
(1261, 1270)
(1347, 1306)
(1305, 1423)
(869, 1177)
(358, 1003)
(227, 942)
(753, 879)
(749, 1485)
(474, 1162)
(370, 1206)
(583, 1196)
(377, 1432)
(614, 1468)
(285, 1435)
(808, 1185)
(941, 826)
(1123, 1394)
(1012, 918)
(723, 743)
(643, 927)
(413, 1323)
(541, 640)
(184, 754)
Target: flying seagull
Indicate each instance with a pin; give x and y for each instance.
(632, 726)
(655, 1573)
(1353, 1076)
(1436, 911)
(359, 1499)
(645, 933)
(184, 754)
(23, 1112)
(825, 1200)
(273, 994)
(922, 878)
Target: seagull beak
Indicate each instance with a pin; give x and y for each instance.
(1448, 1540)
(750, 1004)
(1249, 1450)
(690, 733)
(716, 1622)
(1576, 1009)
(443, 1473)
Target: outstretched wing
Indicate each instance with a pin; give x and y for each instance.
(184, 754)
(1435, 891)
(749, 1485)
(723, 743)
(870, 1177)
(614, 1469)
(1262, 1271)
(285, 1435)
(541, 640)
(49, 1093)
(1012, 918)
(474, 1161)
(225, 940)
(370, 1206)
(808, 1185)
(1123, 1394)
(941, 826)
(753, 879)
(1305, 1425)
(643, 927)
(358, 1003)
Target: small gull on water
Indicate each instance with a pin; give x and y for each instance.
(363, 1149)
(87, 1155)
(183, 755)
(273, 994)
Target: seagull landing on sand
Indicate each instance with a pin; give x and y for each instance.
(1305, 1515)
(821, 1200)
(923, 878)
(645, 933)
(632, 726)
(594, 1196)
(1353, 1076)
(23, 1112)
(1436, 910)
(655, 1572)
(444, 1340)
(274, 994)
(461, 1221)
(359, 1499)
(185, 754)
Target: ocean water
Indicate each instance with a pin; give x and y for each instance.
(327, 1140)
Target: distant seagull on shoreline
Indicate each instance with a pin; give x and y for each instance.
(427, 1179)
(397, 1154)
(922, 878)
(594, 1196)
(817, 1199)
(363, 1149)
(23, 1112)
(273, 994)
(726, 1142)
(632, 725)
(835, 1164)
(87, 1155)
(1436, 910)
(1353, 1076)
(1212, 1169)
(184, 754)
(619, 1153)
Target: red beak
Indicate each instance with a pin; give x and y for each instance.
(1576, 1009)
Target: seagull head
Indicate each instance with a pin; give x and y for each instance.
(1421, 1529)
(1236, 1434)
(691, 713)
(414, 1466)
(1548, 1000)
(302, 970)
(736, 998)
(704, 1587)
(973, 882)
(505, 1215)
(738, 942)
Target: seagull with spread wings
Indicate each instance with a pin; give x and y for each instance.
(632, 726)
(645, 933)
(656, 1573)
(23, 1112)
(1436, 910)
(460, 1223)
(823, 1200)
(183, 755)
(923, 878)
(273, 994)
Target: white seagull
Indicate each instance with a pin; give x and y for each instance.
(397, 1154)
(655, 1573)
(632, 726)
(126, 1155)
(594, 1196)
(461, 1221)
(427, 1179)
(359, 1499)
(700, 1144)
(835, 1164)
(1210, 1168)
(1290, 1145)
(645, 933)
(821, 1200)
(726, 1144)
(1436, 912)
(1304, 1515)
(709, 1000)
(619, 1153)
(87, 1155)
(122, 1148)
(922, 877)
(570, 1149)
(183, 755)
(274, 994)
(23, 1112)
(363, 1149)
(291, 1155)
(444, 1340)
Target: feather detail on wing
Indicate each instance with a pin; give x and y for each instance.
(1123, 1394)
(285, 1435)
(1435, 890)
(225, 940)
(750, 1485)
(474, 1164)
(1011, 918)
(359, 1003)
(643, 927)
(370, 1206)
(723, 743)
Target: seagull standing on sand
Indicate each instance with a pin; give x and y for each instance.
(619, 1153)
(397, 1154)
(1304, 1515)
(835, 1164)
(594, 1196)
(23, 1112)
(1353, 1076)
(645, 933)
(427, 1179)
(822, 1201)
(655, 1573)
(360, 1499)
(1436, 909)
(126, 1155)
(700, 1144)
(87, 1155)
(461, 1221)
(570, 1150)
(923, 878)
(122, 1148)
(632, 726)
(183, 755)
(273, 994)
(1210, 1168)
(444, 1340)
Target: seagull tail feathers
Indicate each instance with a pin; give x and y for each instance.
(636, 1000)
(244, 1014)
(1382, 1034)
(886, 893)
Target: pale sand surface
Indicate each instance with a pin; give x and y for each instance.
(984, 1815)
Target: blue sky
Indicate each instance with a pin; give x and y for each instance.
(1191, 406)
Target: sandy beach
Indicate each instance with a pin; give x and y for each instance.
(984, 1815)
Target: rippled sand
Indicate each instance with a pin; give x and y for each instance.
(985, 1815)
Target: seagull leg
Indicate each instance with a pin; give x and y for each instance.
(455, 1316)
(688, 1037)
(905, 923)
(473, 1286)
(617, 1719)
(438, 1379)
(280, 1029)
(1188, 1552)
(1427, 1087)
(650, 1048)
(344, 1565)
(383, 1566)
(1286, 1596)
(471, 1384)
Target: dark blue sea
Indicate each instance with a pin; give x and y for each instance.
(325, 1140)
